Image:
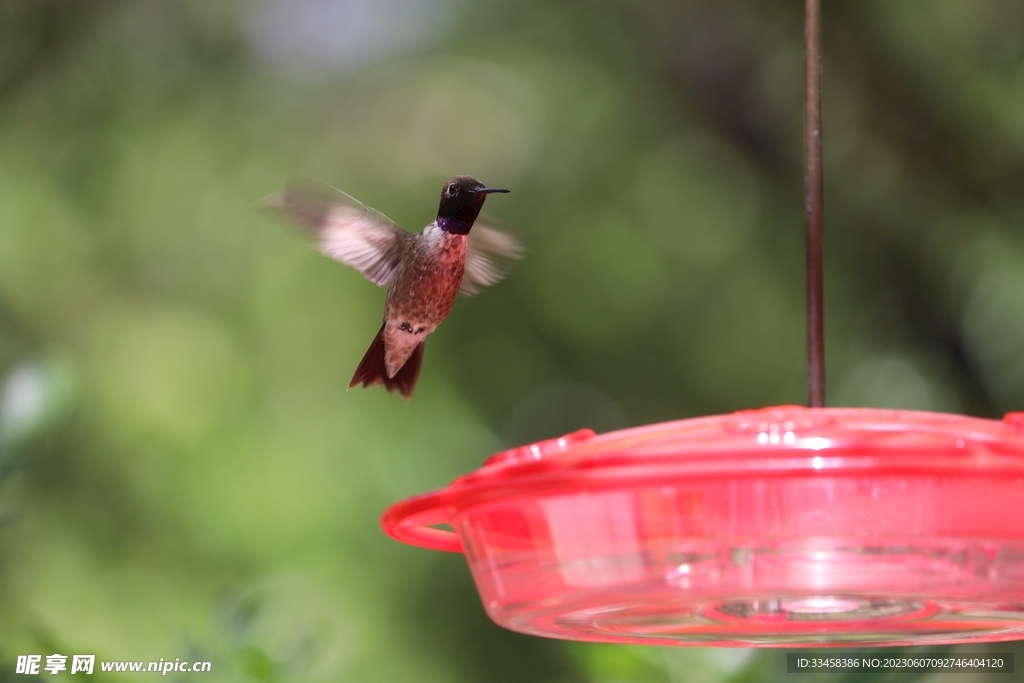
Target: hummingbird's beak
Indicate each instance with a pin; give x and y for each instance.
(489, 190)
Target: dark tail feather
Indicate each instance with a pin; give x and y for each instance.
(372, 371)
(371, 368)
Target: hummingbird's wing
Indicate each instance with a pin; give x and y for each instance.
(345, 229)
(489, 253)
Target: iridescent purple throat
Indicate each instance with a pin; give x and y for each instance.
(453, 225)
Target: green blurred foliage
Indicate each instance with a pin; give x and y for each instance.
(182, 473)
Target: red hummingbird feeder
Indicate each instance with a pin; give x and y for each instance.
(775, 527)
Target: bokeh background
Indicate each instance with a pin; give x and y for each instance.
(182, 471)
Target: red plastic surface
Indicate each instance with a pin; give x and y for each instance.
(772, 527)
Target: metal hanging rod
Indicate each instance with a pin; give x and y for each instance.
(813, 183)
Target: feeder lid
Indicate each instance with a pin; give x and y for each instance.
(770, 441)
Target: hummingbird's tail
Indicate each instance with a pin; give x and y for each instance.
(372, 371)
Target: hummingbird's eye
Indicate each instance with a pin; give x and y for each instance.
(450, 190)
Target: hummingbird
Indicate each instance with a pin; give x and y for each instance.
(423, 272)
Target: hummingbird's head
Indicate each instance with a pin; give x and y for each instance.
(461, 200)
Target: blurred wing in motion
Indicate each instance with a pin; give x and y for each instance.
(345, 229)
(489, 254)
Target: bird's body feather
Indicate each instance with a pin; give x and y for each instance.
(422, 293)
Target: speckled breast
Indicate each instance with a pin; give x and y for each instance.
(428, 282)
